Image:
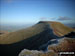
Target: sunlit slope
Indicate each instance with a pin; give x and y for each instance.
(13, 37)
(60, 29)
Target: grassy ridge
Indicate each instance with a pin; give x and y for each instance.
(22, 34)
(13, 37)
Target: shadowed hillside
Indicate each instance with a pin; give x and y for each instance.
(23, 34)
(64, 45)
(31, 38)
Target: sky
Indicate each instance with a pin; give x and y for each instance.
(32, 11)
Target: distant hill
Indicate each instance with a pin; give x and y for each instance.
(32, 38)
(14, 27)
(72, 25)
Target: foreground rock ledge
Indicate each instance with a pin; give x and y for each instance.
(66, 44)
(26, 52)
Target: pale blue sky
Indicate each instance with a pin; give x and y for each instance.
(30, 11)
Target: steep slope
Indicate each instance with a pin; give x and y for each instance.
(31, 38)
(66, 44)
(32, 43)
(23, 34)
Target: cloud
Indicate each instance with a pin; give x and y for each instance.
(64, 18)
(47, 19)
(43, 19)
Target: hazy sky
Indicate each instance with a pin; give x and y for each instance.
(30, 11)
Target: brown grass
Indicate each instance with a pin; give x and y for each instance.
(22, 34)
(60, 29)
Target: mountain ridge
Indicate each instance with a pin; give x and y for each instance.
(17, 36)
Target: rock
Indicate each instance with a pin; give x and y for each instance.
(66, 44)
(26, 52)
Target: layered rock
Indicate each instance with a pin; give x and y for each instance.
(26, 52)
(66, 44)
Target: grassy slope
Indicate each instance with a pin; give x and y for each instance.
(22, 34)
(58, 28)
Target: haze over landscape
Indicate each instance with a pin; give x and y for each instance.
(23, 12)
(37, 27)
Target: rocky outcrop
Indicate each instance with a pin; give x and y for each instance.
(26, 52)
(65, 44)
